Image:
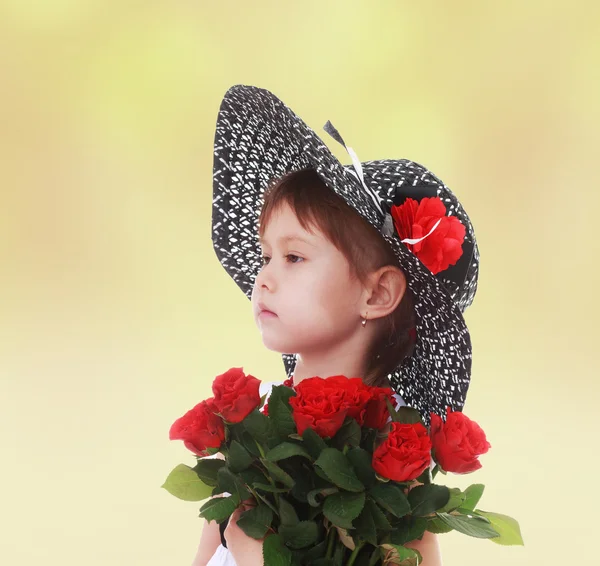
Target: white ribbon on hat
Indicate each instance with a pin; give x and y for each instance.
(377, 200)
(388, 226)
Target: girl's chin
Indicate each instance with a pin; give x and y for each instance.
(276, 343)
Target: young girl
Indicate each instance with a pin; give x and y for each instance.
(360, 270)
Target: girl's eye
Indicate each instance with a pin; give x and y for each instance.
(291, 258)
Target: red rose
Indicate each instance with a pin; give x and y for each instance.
(319, 404)
(458, 442)
(200, 428)
(377, 412)
(404, 454)
(356, 395)
(443, 247)
(236, 394)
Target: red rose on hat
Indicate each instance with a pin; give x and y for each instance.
(200, 428)
(319, 404)
(458, 442)
(404, 454)
(415, 219)
(236, 394)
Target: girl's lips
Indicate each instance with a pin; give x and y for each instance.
(266, 314)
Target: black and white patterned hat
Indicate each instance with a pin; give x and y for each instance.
(259, 139)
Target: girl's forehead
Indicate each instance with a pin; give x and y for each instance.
(283, 226)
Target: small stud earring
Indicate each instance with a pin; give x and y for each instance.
(364, 320)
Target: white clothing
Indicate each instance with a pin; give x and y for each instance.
(222, 556)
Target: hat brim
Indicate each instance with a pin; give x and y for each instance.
(259, 139)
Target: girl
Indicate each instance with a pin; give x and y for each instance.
(361, 270)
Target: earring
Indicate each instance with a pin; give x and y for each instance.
(364, 320)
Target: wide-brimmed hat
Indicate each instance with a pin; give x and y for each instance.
(259, 139)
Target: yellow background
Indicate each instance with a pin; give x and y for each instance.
(115, 314)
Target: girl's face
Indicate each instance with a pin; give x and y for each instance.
(306, 299)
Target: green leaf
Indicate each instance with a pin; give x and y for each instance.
(300, 535)
(281, 417)
(338, 470)
(365, 526)
(401, 555)
(341, 508)
(253, 475)
(408, 415)
(317, 551)
(277, 473)
(255, 522)
(361, 461)
(250, 444)
(471, 525)
(286, 450)
(183, 482)
(313, 442)
(219, 508)
(287, 513)
(457, 498)
(302, 476)
(473, 494)
(507, 527)
(437, 526)
(281, 393)
(239, 458)
(391, 498)
(280, 412)
(258, 426)
(426, 499)
(269, 488)
(229, 482)
(381, 522)
(348, 433)
(275, 553)
(393, 413)
(208, 468)
(314, 500)
(412, 528)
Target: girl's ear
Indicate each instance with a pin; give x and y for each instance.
(385, 290)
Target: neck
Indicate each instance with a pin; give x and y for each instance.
(348, 362)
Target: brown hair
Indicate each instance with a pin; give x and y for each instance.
(365, 249)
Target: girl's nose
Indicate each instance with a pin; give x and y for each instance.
(264, 279)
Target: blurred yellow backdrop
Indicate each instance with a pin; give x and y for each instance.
(115, 314)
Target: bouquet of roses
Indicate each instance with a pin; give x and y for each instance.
(336, 473)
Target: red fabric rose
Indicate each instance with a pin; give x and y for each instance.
(377, 412)
(200, 428)
(319, 404)
(236, 394)
(443, 247)
(458, 442)
(404, 454)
